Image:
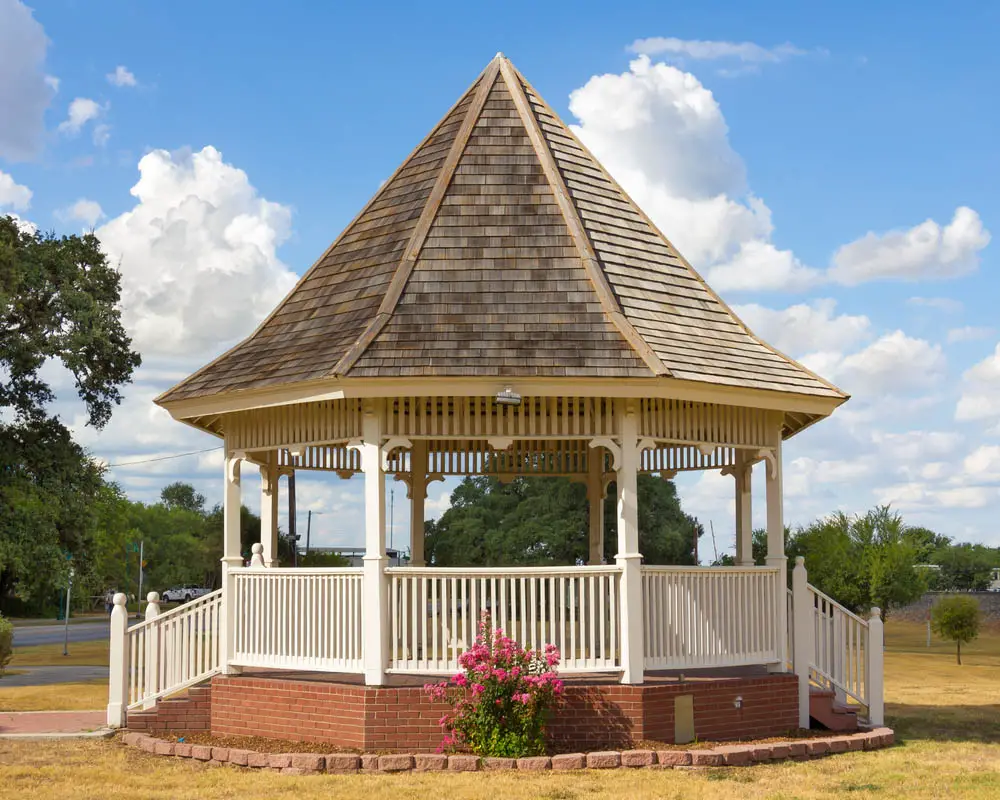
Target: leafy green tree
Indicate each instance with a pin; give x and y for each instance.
(957, 620)
(6, 643)
(59, 301)
(964, 567)
(927, 543)
(861, 561)
(182, 495)
(537, 521)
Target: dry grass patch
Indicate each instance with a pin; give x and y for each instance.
(81, 654)
(55, 697)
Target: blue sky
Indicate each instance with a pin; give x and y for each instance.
(767, 141)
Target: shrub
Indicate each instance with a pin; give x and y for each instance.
(501, 698)
(956, 619)
(6, 643)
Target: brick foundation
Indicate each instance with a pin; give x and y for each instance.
(188, 712)
(591, 716)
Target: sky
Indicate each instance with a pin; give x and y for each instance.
(831, 170)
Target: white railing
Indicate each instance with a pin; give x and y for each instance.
(434, 614)
(711, 616)
(840, 658)
(303, 619)
(174, 650)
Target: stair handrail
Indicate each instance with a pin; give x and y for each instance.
(165, 616)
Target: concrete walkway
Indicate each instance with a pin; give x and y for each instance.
(31, 724)
(46, 676)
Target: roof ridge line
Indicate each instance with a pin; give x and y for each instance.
(591, 264)
(416, 242)
(680, 256)
(347, 228)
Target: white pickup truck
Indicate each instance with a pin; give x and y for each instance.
(182, 594)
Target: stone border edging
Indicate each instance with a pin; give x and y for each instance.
(736, 755)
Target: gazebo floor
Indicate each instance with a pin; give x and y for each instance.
(596, 711)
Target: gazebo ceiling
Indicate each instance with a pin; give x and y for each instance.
(501, 248)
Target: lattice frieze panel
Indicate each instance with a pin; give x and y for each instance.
(679, 459)
(533, 417)
(301, 423)
(685, 421)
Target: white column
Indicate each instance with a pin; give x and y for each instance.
(744, 510)
(628, 557)
(804, 635)
(153, 653)
(118, 678)
(374, 609)
(231, 558)
(595, 504)
(418, 494)
(776, 545)
(874, 655)
(269, 511)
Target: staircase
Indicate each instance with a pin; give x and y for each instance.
(833, 715)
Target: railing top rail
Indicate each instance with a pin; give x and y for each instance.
(676, 569)
(191, 605)
(846, 611)
(502, 572)
(297, 571)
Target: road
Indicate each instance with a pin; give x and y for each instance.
(45, 676)
(31, 635)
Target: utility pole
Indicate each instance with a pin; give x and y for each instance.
(715, 549)
(291, 519)
(309, 524)
(392, 501)
(69, 592)
(141, 563)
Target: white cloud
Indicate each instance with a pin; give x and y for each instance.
(760, 266)
(893, 364)
(980, 398)
(25, 92)
(969, 333)
(983, 463)
(81, 111)
(101, 134)
(925, 251)
(121, 77)
(803, 328)
(13, 195)
(945, 304)
(198, 230)
(83, 210)
(916, 446)
(708, 50)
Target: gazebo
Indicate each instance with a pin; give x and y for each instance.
(502, 307)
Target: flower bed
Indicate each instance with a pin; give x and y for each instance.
(720, 756)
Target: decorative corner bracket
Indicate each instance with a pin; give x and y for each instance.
(267, 479)
(233, 466)
(612, 447)
(767, 454)
(498, 443)
(706, 449)
(390, 444)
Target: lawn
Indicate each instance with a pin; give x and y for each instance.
(89, 654)
(57, 697)
(947, 718)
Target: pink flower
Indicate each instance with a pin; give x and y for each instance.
(460, 680)
(478, 689)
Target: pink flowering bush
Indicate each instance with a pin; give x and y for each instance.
(501, 697)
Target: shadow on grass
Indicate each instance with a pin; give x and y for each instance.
(945, 723)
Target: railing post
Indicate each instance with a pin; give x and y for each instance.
(375, 601)
(874, 654)
(118, 678)
(628, 557)
(802, 635)
(231, 558)
(152, 649)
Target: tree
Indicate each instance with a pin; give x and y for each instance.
(956, 619)
(861, 561)
(964, 567)
(182, 495)
(59, 301)
(537, 521)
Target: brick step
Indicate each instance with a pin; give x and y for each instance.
(831, 714)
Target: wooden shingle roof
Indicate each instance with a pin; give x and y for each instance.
(501, 247)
